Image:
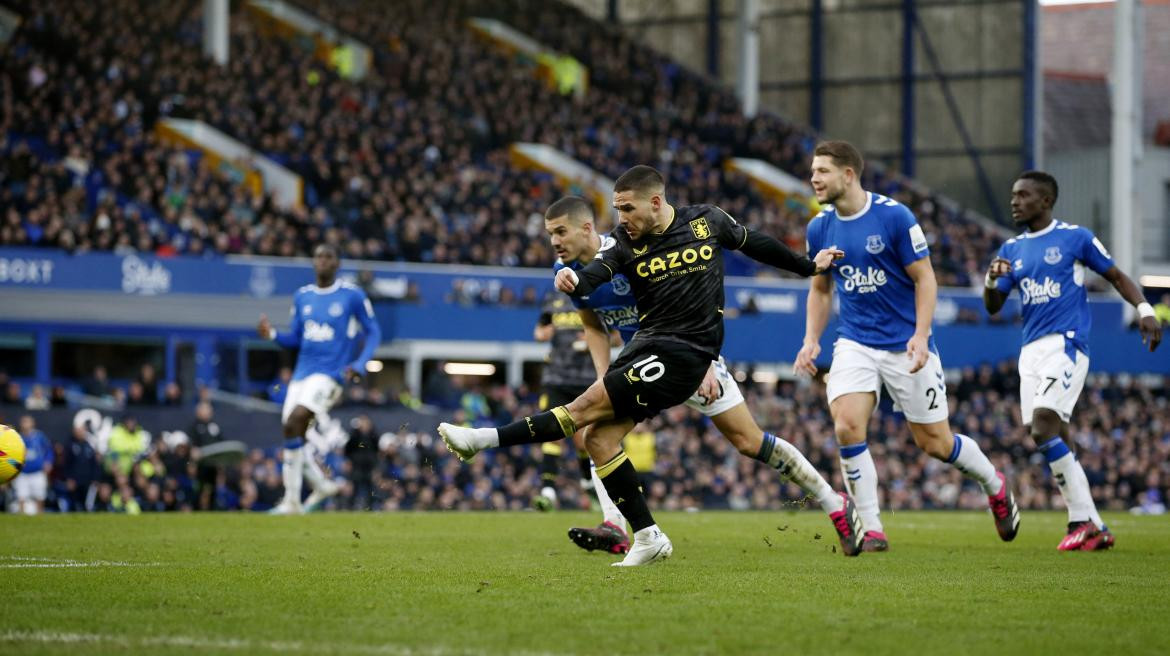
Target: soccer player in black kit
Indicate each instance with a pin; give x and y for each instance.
(673, 261)
(567, 373)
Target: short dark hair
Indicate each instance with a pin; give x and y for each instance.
(843, 154)
(1045, 179)
(576, 208)
(641, 178)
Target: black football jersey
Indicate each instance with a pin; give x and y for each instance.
(677, 275)
(569, 362)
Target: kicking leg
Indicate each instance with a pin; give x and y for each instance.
(556, 424)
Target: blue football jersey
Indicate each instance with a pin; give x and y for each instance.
(876, 294)
(613, 302)
(327, 325)
(1048, 267)
(38, 452)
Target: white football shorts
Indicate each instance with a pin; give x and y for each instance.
(729, 397)
(317, 392)
(921, 396)
(1052, 374)
(33, 486)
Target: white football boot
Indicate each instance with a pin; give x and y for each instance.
(287, 507)
(325, 489)
(650, 545)
(466, 442)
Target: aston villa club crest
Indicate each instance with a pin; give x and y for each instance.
(699, 227)
(874, 244)
(1052, 255)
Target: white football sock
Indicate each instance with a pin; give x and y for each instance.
(313, 472)
(1074, 486)
(861, 478)
(968, 458)
(292, 474)
(649, 533)
(793, 466)
(609, 509)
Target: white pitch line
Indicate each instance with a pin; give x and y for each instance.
(32, 562)
(239, 644)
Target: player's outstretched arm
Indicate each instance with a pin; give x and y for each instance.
(1147, 323)
(820, 300)
(596, 339)
(769, 250)
(993, 299)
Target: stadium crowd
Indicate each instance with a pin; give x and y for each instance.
(408, 164)
(1121, 431)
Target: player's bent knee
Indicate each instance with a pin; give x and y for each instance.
(849, 432)
(1045, 424)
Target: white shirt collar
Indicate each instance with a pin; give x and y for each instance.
(330, 288)
(1041, 232)
(861, 212)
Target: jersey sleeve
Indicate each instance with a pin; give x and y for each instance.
(296, 328)
(728, 231)
(814, 238)
(614, 253)
(812, 235)
(364, 311)
(1005, 283)
(909, 240)
(1093, 252)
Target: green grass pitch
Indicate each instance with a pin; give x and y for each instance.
(512, 583)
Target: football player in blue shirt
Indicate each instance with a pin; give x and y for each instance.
(1047, 264)
(32, 486)
(570, 224)
(328, 320)
(887, 296)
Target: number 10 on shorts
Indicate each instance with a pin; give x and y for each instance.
(646, 370)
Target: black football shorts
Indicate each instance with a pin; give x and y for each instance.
(652, 375)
